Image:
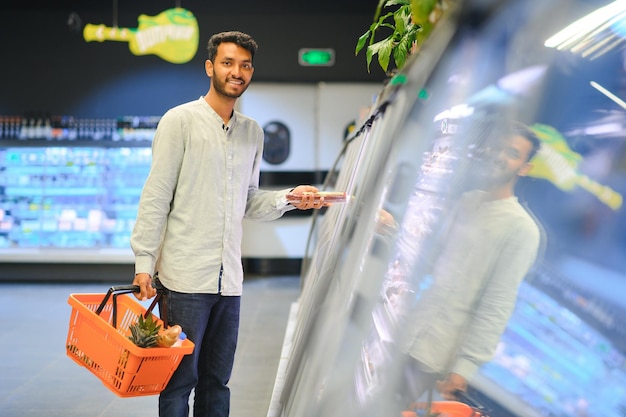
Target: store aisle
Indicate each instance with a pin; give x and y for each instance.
(38, 379)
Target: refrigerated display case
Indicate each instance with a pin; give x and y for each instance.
(69, 187)
(63, 194)
(406, 168)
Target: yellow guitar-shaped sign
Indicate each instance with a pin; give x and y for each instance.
(557, 163)
(172, 35)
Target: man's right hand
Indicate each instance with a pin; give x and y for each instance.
(146, 290)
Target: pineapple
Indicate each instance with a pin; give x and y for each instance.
(145, 332)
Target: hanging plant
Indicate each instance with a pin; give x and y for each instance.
(409, 23)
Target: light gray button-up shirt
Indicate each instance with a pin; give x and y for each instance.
(489, 248)
(203, 180)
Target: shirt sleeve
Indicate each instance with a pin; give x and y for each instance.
(493, 310)
(264, 205)
(158, 192)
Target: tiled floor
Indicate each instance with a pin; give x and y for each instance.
(38, 379)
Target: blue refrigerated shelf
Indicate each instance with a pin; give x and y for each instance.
(555, 363)
(59, 197)
(84, 143)
(54, 191)
(120, 191)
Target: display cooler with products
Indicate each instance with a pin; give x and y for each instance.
(70, 186)
(405, 170)
(69, 190)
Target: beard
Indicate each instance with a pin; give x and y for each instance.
(220, 88)
(486, 176)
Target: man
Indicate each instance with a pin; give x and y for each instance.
(488, 246)
(203, 181)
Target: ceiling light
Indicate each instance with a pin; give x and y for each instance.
(610, 95)
(593, 35)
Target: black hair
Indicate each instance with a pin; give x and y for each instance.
(242, 39)
(484, 132)
(518, 128)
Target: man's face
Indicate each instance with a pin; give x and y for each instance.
(502, 163)
(231, 70)
(512, 159)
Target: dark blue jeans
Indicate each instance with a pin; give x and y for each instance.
(211, 322)
(415, 383)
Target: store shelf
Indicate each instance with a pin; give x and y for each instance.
(73, 255)
(69, 201)
(78, 143)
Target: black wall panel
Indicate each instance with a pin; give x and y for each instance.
(47, 67)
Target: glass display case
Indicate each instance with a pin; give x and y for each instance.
(383, 274)
(70, 183)
(57, 197)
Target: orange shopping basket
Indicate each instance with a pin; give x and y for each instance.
(98, 340)
(466, 407)
(444, 409)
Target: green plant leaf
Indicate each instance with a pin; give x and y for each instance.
(403, 49)
(408, 23)
(381, 21)
(405, 12)
(421, 9)
(400, 53)
(383, 50)
(361, 42)
(399, 18)
(421, 12)
(368, 57)
(398, 2)
(379, 8)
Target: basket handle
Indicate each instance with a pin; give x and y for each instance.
(473, 402)
(119, 290)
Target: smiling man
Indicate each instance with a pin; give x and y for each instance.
(486, 248)
(204, 179)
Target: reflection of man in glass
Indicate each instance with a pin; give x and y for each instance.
(487, 248)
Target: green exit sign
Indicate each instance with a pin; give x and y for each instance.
(312, 57)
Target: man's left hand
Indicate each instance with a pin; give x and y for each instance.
(449, 386)
(308, 199)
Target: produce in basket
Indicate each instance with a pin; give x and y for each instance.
(167, 337)
(145, 332)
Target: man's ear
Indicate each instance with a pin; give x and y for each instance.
(525, 169)
(208, 67)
